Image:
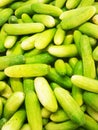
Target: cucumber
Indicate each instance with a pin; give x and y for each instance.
(63, 50)
(85, 83)
(59, 116)
(59, 36)
(44, 57)
(16, 121)
(87, 58)
(4, 15)
(26, 18)
(28, 84)
(13, 103)
(26, 126)
(78, 13)
(6, 61)
(92, 113)
(90, 99)
(69, 105)
(28, 28)
(67, 125)
(86, 3)
(90, 124)
(5, 2)
(55, 77)
(33, 110)
(77, 93)
(60, 3)
(46, 9)
(44, 38)
(16, 84)
(45, 113)
(60, 67)
(89, 29)
(47, 20)
(10, 41)
(27, 70)
(23, 9)
(45, 94)
(71, 4)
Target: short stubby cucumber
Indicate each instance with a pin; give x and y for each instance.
(45, 94)
(78, 13)
(27, 70)
(13, 103)
(23, 28)
(85, 83)
(69, 105)
(46, 9)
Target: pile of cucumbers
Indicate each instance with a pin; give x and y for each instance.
(48, 65)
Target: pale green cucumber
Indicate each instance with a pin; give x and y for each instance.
(90, 123)
(59, 36)
(59, 116)
(91, 100)
(10, 60)
(5, 2)
(5, 14)
(45, 94)
(71, 4)
(13, 103)
(26, 18)
(86, 3)
(44, 57)
(63, 50)
(89, 69)
(67, 125)
(10, 41)
(55, 77)
(46, 9)
(44, 38)
(16, 121)
(47, 20)
(45, 113)
(28, 43)
(16, 84)
(2, 85)
(78, 13)
(60, 67)
(27, 70)
(92, 113)
(28, 28)
(60, 3)
(85, 83)
(26, 126)
(33, 110)
(89, 29)
(69, 105)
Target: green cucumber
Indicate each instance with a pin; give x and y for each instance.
(45, 94)
(16, 121)
(27, 70)
(13, 103)
(33, 110)
(28, 28)
(85, 83)
(69, 105)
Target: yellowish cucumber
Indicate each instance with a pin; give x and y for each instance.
(78, 13)
(16, 121)
(13, 103)
(27, 70)
(69, 105)
(45, 94)
(33, 110)
(28, 28)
